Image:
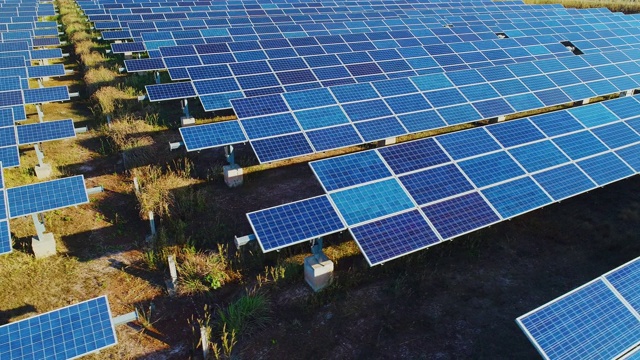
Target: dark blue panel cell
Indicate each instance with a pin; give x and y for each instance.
(515, 132)
(9, 98)
(490, 169)
(467, 143)
(322, 60)
(392, 237)
(321, 117)
(436, 183)
(459, 114)
(578, 92)
(295, 77)
(563, 78)
(264, 91)
(552, 97)
(432, 82)
(493, 108)
(355, 92)
(564, 181)
(348, 170)
(605, 168)
(413, 155)
(212, 48)
(287, 64)
(538, 82)
(496, 73)
(252, 67)
(257, 81)
(295, 222)
(538, 156)
(616, 135)
(208, 72)
(270, 126)
(387, 54)
(309, 99)
(446, 97)
(516, 197)
(204, 87)
(624, 107)
(38, 132)
(366, 110)
(46, 196)
(280, 148)
(395, 87)
(380, 129)
(579, 145)
(624, 83)
(631, 155)
(334, 137)
(465, 77)
(257, 106)
(479, 92)
(509, 87)
(364, 69)
(407, 103)
(556, 123)
(460, 215)
(355, 58)
(212, 135)
(422, 121)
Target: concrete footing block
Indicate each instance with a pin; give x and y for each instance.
(187, 121)
(43, 171)
(232, 175)
(386, 142)
(318, 271)
(43, 247)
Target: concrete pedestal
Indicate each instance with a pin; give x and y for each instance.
(232, 175)
(43, 171)
(386, 142)
(318, 271)
(186, 121)
(128, 56)
(46, 246)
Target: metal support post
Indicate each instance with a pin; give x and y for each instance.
(157, 76)
(152, 223)
(40, 83)
(39, 154)
(185, 107)
(316, 247)
(230, 154)
(38, 222)
(40, 112)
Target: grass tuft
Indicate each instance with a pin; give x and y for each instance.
(250, 312)
(96, 78)
(109, 99)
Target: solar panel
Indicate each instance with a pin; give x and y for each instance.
(45, 131)
(172, 91)
(593, 321)
(45, 70)
(46, 196)
(210, 135)
(65, 333)
(44, 95)
(316, 218)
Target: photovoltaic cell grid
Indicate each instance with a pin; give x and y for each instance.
(45, 131)
(65, 333)
(6, 120)
(46, 196)
(9, 155)
(346, 115)
(463, 181)
(595, 321)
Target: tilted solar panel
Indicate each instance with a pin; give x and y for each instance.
(46, 196)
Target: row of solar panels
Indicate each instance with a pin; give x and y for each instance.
(599, 320)
(298, 123)
(406, 197)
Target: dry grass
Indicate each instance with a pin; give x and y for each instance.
(110, 99)
(74, 27)
(84, 47)
(99, 77)
(199, 272)
(157, 187)
(93, 59)
(79, 36)
(617, 5)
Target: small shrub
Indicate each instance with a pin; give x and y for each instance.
(202, 271)
(248, 313)
(110, 98)
(79, 36)
(73, 27)
(84, 47)
(93, 59)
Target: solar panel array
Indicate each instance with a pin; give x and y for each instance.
(599, 320)
(406, 197)
(65, 333)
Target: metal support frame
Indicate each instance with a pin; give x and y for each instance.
(230, 154)
(39, 154)
(40, 112)
(185, 107)
(38, 222)
(157, 76)
(40, 83)
(316, 248)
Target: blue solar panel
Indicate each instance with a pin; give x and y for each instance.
(309, 99)
(45, 196)
(493, 108)
(45, 70)
(625, 280)
(64, 333)
(556, 123)
(44, 95)
(212, 135)
(593, 115)
(257, 106)
(589, 322)
(296, 222)
(460, 215)
(564, 181)
(435, 183)
(380, 129)
(624, 107)
(579, 145)
(490, 169)
(271, 125)
(441, 98)
(371, 201)
(354, 169)
(459, 114)
(385, 239)
(366, 110)
(321, 117)
(10, 83)
(282, 147)
(516, 197)
(171, 91)
(9, 98)
(631, 155)
(141, 65)
(45, 131)
(605, 168)
(468, 143)
(334, 137)
(538, 156)
(616, 135)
